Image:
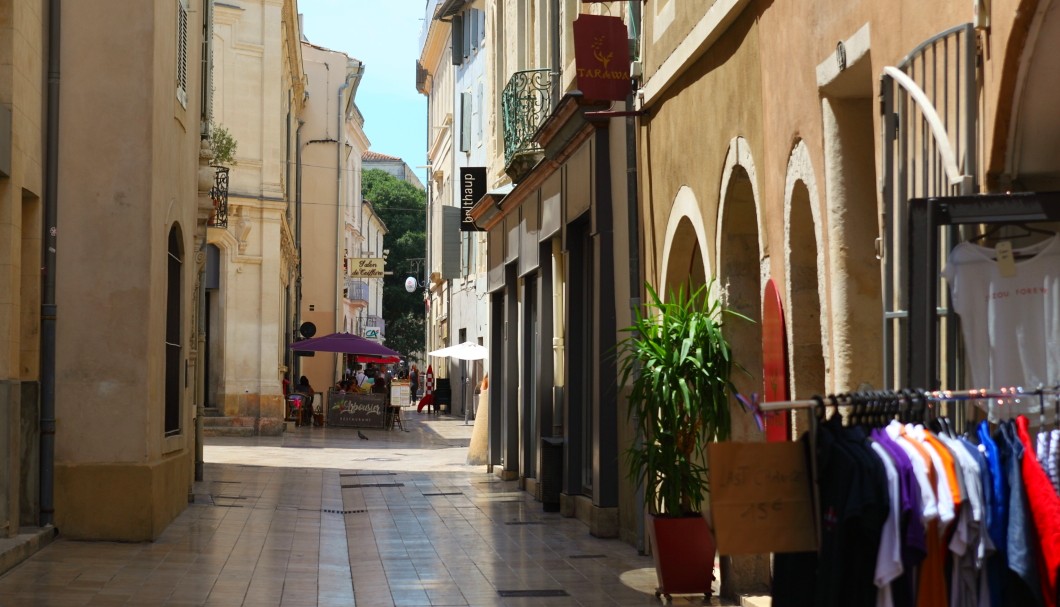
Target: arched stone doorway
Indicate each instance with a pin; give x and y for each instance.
(741, 264)
(805, 270)
(1031, 157)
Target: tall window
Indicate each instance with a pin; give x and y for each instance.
(174, 349)
(206, 83)
(182, 53)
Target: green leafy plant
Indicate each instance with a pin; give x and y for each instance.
(224, 145)
(678, 364)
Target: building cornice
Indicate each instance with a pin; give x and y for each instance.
(561, 134)
(704, 34)
(434, 46)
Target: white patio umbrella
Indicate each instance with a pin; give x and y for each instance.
(463, 351)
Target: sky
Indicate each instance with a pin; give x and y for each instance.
(385, 35)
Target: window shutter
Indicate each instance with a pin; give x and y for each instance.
(465, 122)
(465, 253)
(469, 22)
(458, 40)
(476, 27)
(450, 242)
(207, 64)
(182, 53)
(478, 115)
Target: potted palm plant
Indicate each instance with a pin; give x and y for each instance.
(677, 364)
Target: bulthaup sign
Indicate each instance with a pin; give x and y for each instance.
(472, 189)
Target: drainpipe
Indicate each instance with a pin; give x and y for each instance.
(200, 370)
(353, 78)
(296, 361)
(340, 113)
(557, 61)
(49, 309)
(635, 280)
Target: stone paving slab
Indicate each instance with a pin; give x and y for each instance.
(319, 517)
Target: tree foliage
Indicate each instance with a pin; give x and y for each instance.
(403, 209)
(224, 145)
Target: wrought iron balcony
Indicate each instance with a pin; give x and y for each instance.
(219, 194)
(356, 290)
(525, 104)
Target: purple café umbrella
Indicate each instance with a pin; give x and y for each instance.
(346, 343)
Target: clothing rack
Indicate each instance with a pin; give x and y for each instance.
(846, 399)
(1000, 395)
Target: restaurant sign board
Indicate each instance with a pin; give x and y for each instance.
(601, 56)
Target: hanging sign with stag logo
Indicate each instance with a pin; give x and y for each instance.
(601, 54)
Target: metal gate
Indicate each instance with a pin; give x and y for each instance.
(929, 113)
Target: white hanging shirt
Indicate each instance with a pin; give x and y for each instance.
(1010, 324)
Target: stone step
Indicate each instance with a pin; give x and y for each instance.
(29, 540)
(218, 422)
(229, 431)
(229, 426)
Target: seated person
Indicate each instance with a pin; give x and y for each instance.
(382, 385)
(305, 411)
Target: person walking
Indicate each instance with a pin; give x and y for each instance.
(414, 383)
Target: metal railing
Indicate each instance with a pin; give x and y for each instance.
(929, 103)
(219, 195)
(525, 104)
(356, 290)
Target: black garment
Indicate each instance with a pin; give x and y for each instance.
(853, 507)
(861, 524)
(795, 573)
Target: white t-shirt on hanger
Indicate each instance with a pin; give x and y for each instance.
(1010, 325)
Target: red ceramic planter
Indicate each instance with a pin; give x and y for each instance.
(683, 548)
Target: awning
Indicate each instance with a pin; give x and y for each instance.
(490, 204)
(449, 9)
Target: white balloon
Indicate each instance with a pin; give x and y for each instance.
(410, 284)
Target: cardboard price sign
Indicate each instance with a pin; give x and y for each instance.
(760, 498)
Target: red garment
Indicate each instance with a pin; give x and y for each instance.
(1045, 509)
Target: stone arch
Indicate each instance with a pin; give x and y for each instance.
(742, 261)
(739, 155)
(1032, 127)
(685, 245)
(805, 269)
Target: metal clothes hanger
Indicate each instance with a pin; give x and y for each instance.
(1027, 231)
(1056, 404)
(834, 401)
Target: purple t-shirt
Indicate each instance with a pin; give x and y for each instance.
(914, 547)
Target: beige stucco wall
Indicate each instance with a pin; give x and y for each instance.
(253, 80)
(331, 197)
(758, 78)
(127, 174)
(21, 192)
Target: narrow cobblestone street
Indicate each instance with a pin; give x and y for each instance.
(319, 517)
